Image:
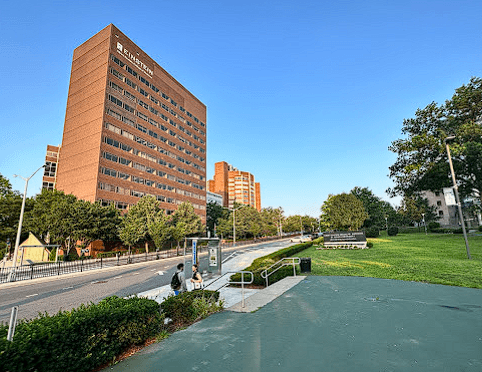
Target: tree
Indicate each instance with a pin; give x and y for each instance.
(56, 217)
(376, 208)
(159, 229)
(343, 212)
(185, 222)
(272, 220)
(10, 206)
(414, 209)
(131, 229)
(422, 162)
(214, 212)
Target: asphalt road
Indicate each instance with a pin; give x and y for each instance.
(70, 291)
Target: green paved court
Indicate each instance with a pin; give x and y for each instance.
(333, 324)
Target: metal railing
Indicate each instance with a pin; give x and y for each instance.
(41, 270)
(278, 265)
(229, 282)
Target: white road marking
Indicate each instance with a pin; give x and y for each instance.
(136, 274)
(160, 273)
(32, 295)
(67, 288)
(118, 277)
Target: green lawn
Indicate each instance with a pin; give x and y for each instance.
(433, 258)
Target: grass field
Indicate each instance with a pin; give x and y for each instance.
(433, 258)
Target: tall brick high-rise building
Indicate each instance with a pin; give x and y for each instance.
(235, 186)
(130, 129)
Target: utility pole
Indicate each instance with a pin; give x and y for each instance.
(456, 189)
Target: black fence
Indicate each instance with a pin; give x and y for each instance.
(41, 270)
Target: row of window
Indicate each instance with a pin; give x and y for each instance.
(144, 168)
(121, 191)
(158, 137)
(144, 117)
(140, 140)
(50, 169)
(140, 89)
(131, 150)
(155, 89)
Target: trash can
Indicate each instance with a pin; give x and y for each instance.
(305, 265)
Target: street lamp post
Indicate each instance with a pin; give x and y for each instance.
(424, 223)
(11, 276)
(456, 189)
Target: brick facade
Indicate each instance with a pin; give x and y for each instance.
(235, 186)
(130, 129)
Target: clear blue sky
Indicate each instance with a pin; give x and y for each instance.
(305, 95)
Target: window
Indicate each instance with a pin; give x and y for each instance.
(440, 213)
(129, 108)
(439, 203)
(130, 96)
(131, 71)
(131, 83)
(50, 169)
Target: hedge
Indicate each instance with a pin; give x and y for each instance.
(81, 339)
(262, 263)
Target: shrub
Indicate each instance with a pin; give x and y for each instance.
(458, 231)
(392, 231)
(81, 339)
(262, 263)
(188, 307)
(433, 225)
(370, 244)
(372, 232)
(480, 228)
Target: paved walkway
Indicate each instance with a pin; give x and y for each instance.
(333, 324)
(231, 296)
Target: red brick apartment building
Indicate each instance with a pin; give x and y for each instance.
(235, 186)
(130, 129)
(49, 179)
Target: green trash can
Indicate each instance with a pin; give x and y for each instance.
(305, 265)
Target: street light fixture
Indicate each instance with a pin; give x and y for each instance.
(234, 222)
(456, 189)
(11, 276)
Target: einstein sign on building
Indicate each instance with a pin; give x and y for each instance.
(356, 239)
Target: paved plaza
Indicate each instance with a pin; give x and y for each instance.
(332, 324)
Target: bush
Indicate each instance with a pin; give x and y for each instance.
(392, 231)
(372, 232)
(480, 228)
(188, 307)
(433, 225)
(81, 339)
(458, 231)
(262, 263)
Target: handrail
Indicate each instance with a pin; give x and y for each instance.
(295, 261)
(242, 282)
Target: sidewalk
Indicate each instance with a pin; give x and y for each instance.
(230, 296)
(334, 324)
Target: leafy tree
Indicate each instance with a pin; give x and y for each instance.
(56, 217)
(422, 162)
(272, 220)
(97, 223)
(185, 222)
(159, 229)
(376, 208)
(10, 206)
(214, 212)
(343, 211)
(132, 229)
(414, 209)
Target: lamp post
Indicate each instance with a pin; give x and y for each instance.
(11, 276)
(424, 223)
(234, 222)
(386, 222)
(456, 189)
